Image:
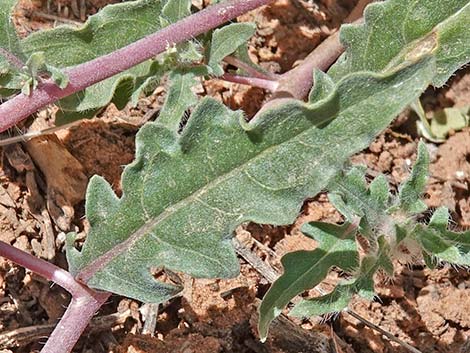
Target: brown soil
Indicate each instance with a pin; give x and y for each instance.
(425, 308)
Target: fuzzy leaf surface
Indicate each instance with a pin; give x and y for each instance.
(412, 189)
(339, 298)
(227, 40)
(305, 269)
(179, 98)
(113, 27)
(439, 243)
(185, 194)
(439, 28)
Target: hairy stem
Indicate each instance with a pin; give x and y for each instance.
(96, 70)
(85, 301)
(251, 81)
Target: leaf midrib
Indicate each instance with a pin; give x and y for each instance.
(87, 272)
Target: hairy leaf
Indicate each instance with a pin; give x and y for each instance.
(442, 244)
(8, 38)
(352, 197)
(184, 195)
(179, 98)
(395, 31)
(305, 269)
(411, 191)
(225, 41)
(362, 284)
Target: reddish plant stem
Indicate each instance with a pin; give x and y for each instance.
(251, 81)
(297, 82)
(249, 69)
(96, 70)
(74, 321)
(85, 301)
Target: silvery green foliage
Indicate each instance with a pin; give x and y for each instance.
(395, 31)
(389, 224)
(185, 193)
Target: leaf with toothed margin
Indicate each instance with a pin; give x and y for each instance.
(441, 244)
(351, 196)
(395, 31)
(185, 194)
(305, 269)
(362, 284)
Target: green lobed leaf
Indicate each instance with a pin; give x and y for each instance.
(362, 284)
(412, 189)
(395, 31)
(442, 244)
(305, 269)
(352, 197)
(184, 195)
(225, 41)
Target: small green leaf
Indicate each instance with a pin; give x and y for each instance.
(353, 199)
(380, 192)
(59, 77)
(442, 244)
(449, 119)
(175, 10)
(411, 191)
(362, 284)
(225, 41)
(305, 269)
(179, 98)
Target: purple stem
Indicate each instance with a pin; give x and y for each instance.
(74, 321)
(251, 81)
(85, 301)
(96, 70)
(297, 82)
(250, 70)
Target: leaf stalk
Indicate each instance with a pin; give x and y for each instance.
(268, 85)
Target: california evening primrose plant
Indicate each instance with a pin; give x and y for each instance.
(388, 225)
(190, 186)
